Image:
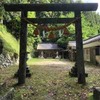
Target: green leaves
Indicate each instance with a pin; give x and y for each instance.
(90, 24)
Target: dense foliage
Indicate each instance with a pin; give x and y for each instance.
(90, 23)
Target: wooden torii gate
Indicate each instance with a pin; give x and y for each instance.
(75, 7)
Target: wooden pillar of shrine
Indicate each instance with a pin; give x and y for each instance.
(23, 48)
(79, 50)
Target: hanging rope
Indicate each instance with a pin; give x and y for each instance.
(46, 28)
(51, 35)
(66, 32)
(36, 32)
(61, 27)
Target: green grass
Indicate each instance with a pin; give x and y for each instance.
(9, 42)
(90, 96)
(51, 82)
(35, 60)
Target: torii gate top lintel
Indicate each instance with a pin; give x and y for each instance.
(52, 7)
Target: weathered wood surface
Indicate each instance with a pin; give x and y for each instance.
(52, 7)
(49, 20)
(79, 50)
(23, 48)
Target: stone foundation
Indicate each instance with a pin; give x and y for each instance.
(96, 93)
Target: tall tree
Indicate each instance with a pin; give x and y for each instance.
(91, 20)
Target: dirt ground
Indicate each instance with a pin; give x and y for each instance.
(55, 62)
(67, 64)
(50, 80)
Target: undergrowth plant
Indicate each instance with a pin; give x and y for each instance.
(10, 44)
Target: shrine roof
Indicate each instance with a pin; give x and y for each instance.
(47, 46)
(93, 41)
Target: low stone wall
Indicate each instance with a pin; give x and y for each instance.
(5, 61)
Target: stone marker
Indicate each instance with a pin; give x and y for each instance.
(96, 93)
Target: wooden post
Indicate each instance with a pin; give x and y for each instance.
(79, 50)
(23, 47)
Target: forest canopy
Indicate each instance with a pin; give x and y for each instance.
(90, 23)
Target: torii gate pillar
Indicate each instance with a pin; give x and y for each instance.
(79, 50)
(23, 49)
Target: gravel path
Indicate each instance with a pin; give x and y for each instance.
(53, 62)
(59, 64)
(66, 64)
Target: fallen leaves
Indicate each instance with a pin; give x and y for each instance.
(52, 82)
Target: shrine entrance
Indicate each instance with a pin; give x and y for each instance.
(74, 7)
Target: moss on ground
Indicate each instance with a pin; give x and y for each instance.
(51, 82)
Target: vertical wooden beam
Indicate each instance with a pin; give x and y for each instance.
(23, 47)
(79, 50)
